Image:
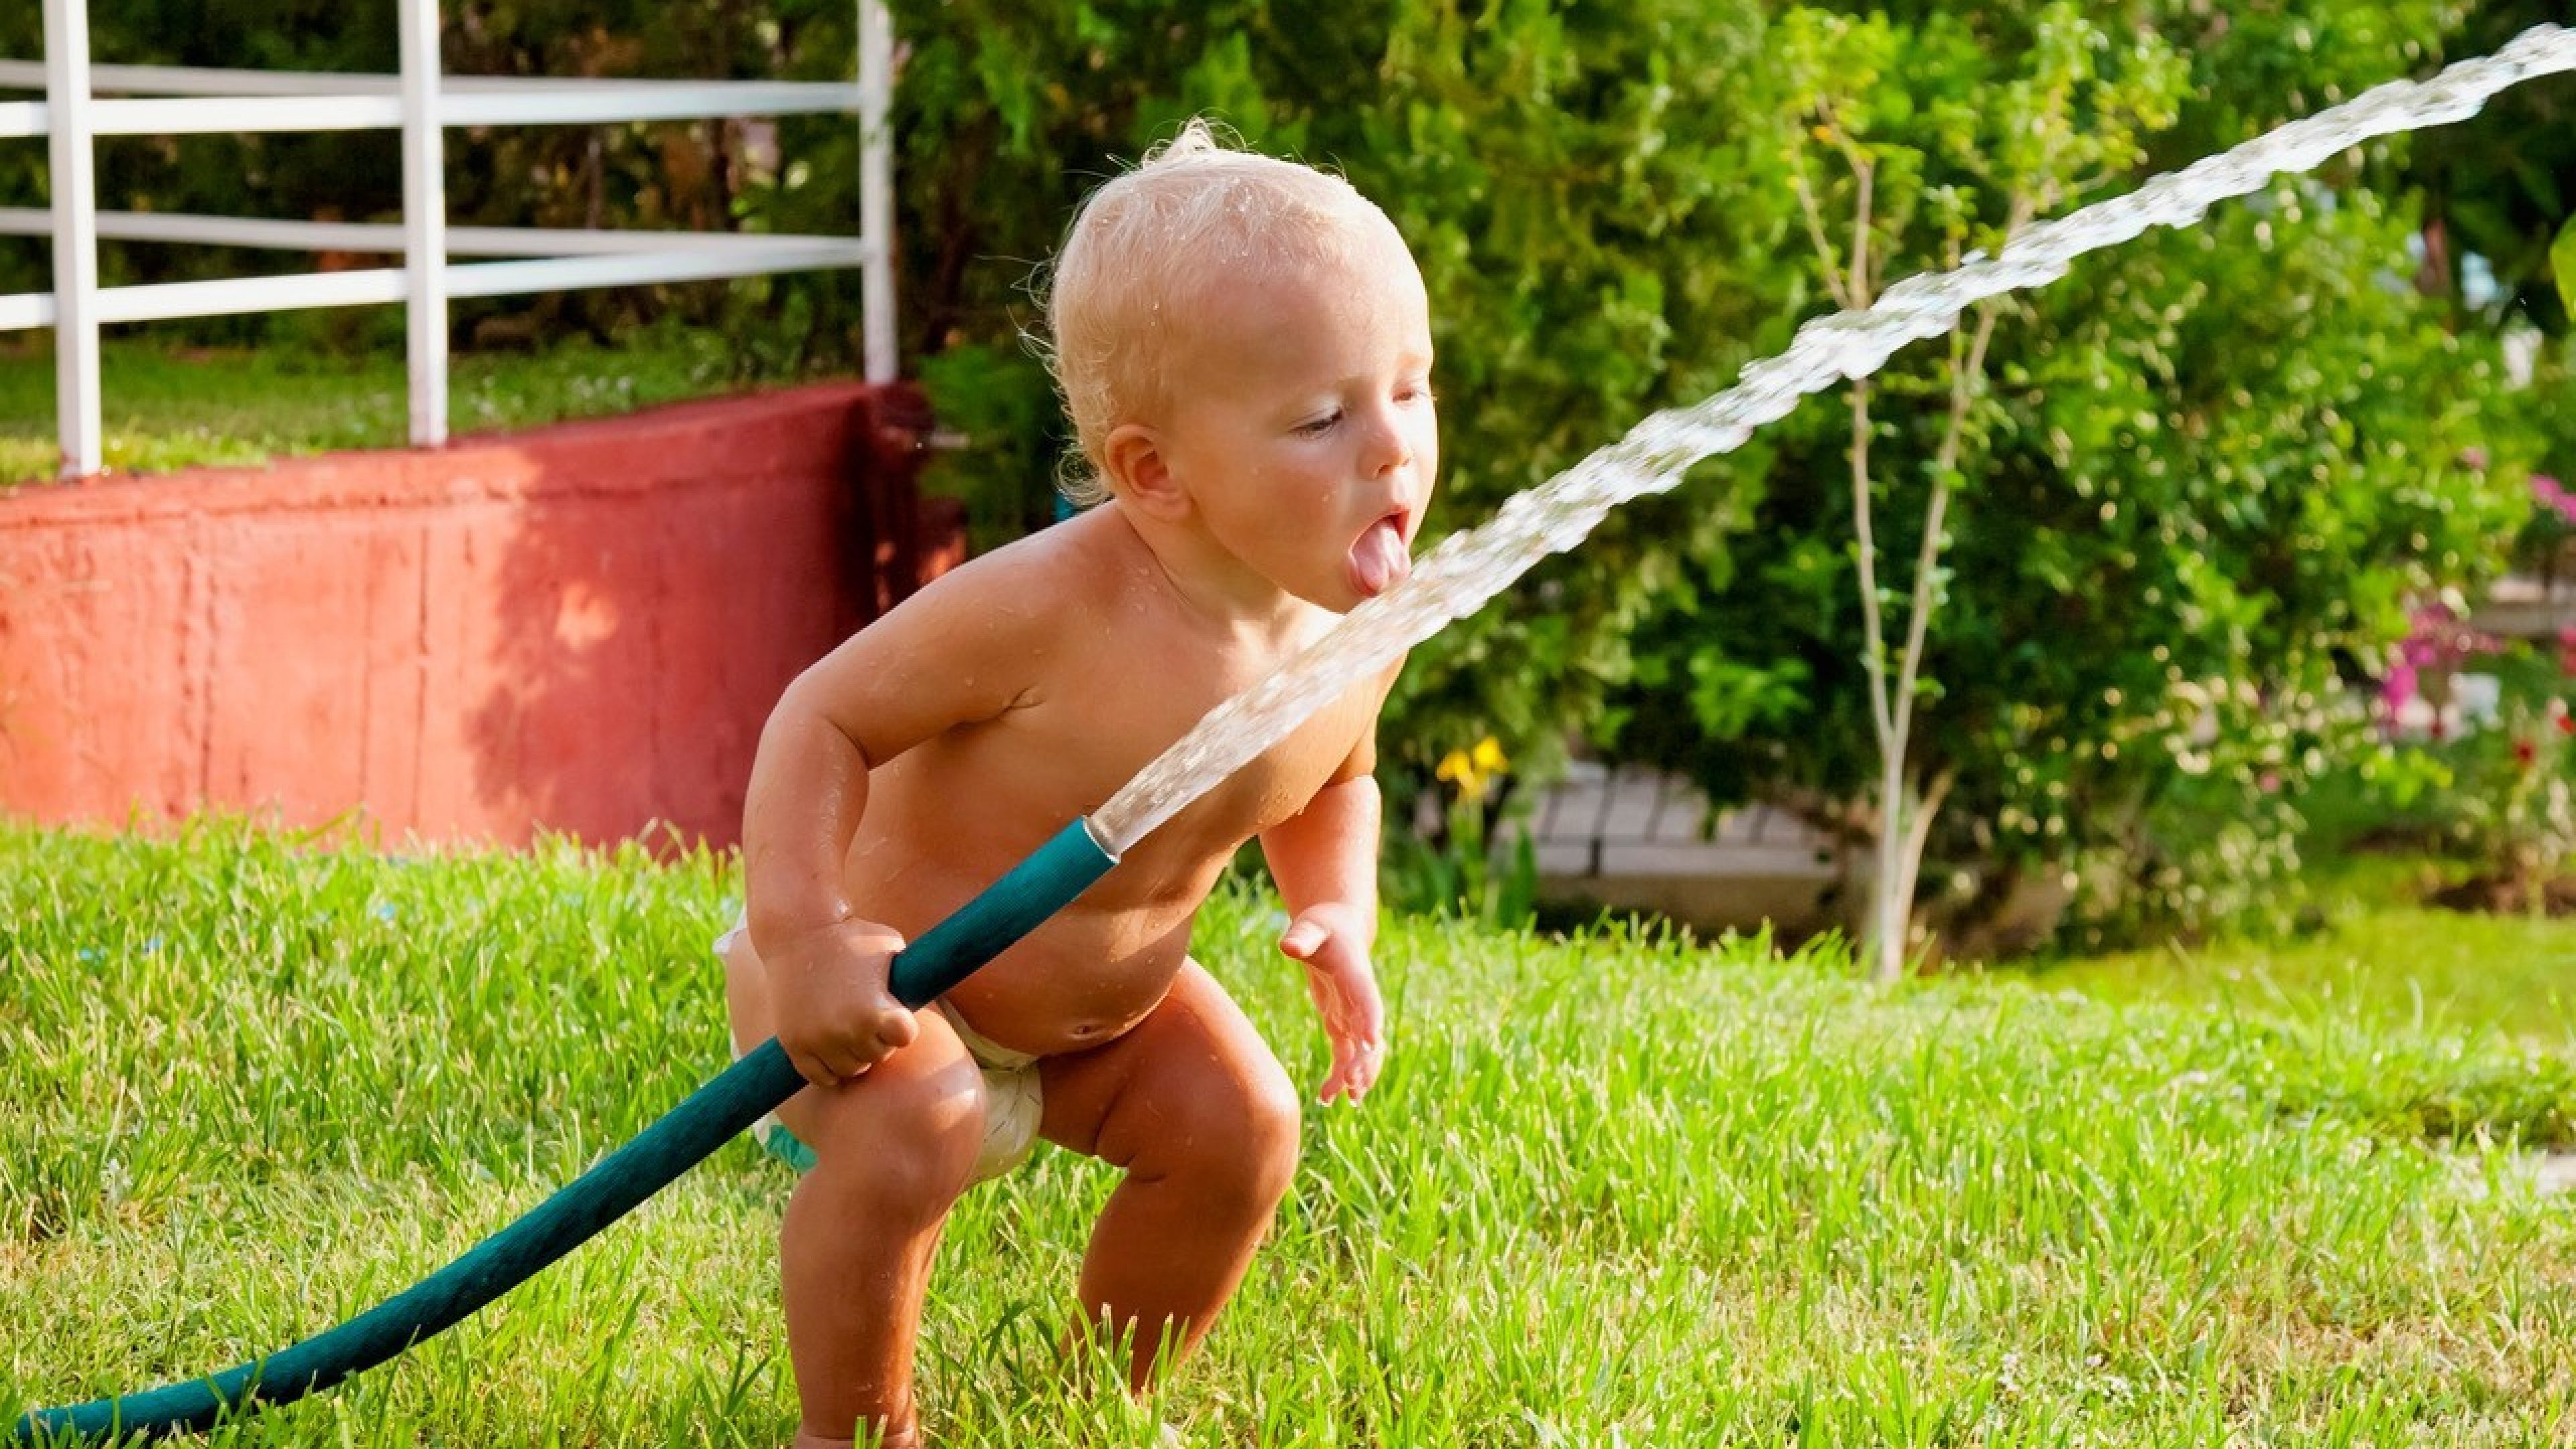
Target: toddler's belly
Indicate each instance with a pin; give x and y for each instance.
(1050, 995)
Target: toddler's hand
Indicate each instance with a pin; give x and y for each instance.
(1333, 943)
(830, 1005)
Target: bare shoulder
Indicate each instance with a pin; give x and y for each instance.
(1021, 592)
(1081, 556)
(972, 645)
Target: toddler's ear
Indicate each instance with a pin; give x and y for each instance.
(1132, 457)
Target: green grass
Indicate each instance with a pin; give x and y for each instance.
(168, 408)
(2381, 959)
(1614, 1190)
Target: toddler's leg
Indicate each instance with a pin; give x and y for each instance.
(893, 1150)
(1196, 1109)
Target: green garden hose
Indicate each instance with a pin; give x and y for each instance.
(948, 953)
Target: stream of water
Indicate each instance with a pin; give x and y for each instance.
(1471, 567)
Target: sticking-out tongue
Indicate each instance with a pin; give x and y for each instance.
(1378, 560)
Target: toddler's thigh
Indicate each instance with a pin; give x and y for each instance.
(923, 1105)
(1193, 1069)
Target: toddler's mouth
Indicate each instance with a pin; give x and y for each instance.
(1380, 561)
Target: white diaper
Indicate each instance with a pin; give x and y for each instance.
(1012, 1104)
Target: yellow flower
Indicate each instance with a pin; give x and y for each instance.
(1474, 771)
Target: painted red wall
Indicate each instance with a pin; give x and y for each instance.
(579, 628)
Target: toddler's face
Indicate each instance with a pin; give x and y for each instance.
(1302, 421)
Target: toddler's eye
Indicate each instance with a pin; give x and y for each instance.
(1313, 427)
(1414, 392)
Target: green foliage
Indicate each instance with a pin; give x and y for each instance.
(2562, 266)
(2553, 380)
(1007, 113)
(1465, 864)
(692, 175)
(2494, 788)
(1575, 184)
(344, 176)
(1888, 163)
(2500, 202)
(2505, 794)
(2212, 468)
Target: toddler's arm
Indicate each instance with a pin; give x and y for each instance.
(902, 680)
(1325, 859)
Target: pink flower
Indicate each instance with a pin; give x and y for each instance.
(2442, 640)
(2396, 687)
(2439, 644)
(2549, 493)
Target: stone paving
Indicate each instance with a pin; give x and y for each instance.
(1637, 839)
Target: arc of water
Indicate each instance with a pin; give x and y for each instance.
(1469, 568)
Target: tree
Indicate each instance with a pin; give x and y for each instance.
(2015, 140)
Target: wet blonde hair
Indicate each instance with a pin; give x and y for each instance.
(1141, 256)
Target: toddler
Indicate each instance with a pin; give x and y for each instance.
(1244, 347)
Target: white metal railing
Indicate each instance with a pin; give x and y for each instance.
(83, 102)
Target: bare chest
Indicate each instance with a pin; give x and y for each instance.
(1143, 717)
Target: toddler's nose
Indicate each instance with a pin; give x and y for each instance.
(1391, 448)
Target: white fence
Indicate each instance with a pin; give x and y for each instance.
(83, 102)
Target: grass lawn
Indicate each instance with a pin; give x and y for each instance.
(2382, 960)
(1613, 1190)
(166, 408)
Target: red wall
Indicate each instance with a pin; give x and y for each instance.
(579, 628)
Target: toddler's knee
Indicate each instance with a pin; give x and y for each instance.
(1242, 1149)
(1274, 1118)
(907, 1164)
(917, 1181)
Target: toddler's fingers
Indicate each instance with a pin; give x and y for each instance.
(1372, 1065)
(813, 1069)
(1348, 1080)
(1355, 1065)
